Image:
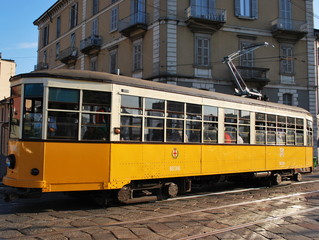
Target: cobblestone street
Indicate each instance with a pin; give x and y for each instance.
(288, 211)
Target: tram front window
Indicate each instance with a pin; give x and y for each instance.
(32, 113)
(15, 111)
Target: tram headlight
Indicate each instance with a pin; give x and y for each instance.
(11, 161)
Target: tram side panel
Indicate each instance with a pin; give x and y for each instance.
(283, 157)
(151, 161)
(76, 166)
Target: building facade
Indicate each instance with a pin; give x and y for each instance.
(7, 70)
(183, 42)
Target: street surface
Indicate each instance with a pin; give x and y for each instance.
(289, 211)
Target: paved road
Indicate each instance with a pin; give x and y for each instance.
(289, 211)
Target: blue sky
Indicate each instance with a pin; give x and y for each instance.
(19, 37)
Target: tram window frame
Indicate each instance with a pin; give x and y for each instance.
(32, 111)
(175, 122)
(131, 118)
(309, 133)
(237, 126)
(291, 131)
(95, 115)
(299, 132)
(15, 111)
(210, 124)
(193, 131)
(260, 128)
(154, 120)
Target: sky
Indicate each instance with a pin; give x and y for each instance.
(19, 37)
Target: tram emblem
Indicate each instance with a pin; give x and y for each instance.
(175, 153)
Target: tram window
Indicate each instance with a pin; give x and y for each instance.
(174, 130)
(260, 128)
(193, 131)
(95, 127)
(131, 128)
(309, 133)
(271, 129)
(299, 132)
(194, 111)
(131, 105)
(210, 132)
(210, 124)
(175, 109)
(231, 115)
(96, 101)
(291, 131)
(62, 125)
(154, 129)
(15, 113)
(210, 113)
(154, 107)
(32, 117)
(281, 130)
(67, 99)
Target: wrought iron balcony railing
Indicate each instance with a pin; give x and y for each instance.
(202, 12)
(136, 21)
(90, 43)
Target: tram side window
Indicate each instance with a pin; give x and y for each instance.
(15, 111)
(210, 124)
(131, 118)
(281, 130)
(230, 135)
(260, 126)
(299, 132)
(193, 123)
(154, 120)
(62, 124)
(32, 117)
(175, 122)
(271, 129)
(291, 131)
(243, 127)
(96, 107)
(309, 133)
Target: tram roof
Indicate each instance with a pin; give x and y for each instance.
(93, 76)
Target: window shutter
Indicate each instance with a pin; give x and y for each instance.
(254, 9)
(237, 8)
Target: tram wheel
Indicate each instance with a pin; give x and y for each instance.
(297, 177)
(276, 179)
(171, 190)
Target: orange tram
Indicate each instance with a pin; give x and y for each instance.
(133, 140)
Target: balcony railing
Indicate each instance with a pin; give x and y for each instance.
(259, 76)
(91, 44)
(68, 55)
(288, 29)
(202, 12)
(134, 22)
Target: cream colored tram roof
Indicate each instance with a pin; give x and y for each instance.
(134, 82)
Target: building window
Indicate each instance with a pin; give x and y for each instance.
(113, 61)
(286, 60)
(95, 27)
(202, 51)
(114, 19)
(72, 40)
(45, 57)
(58, 27)
(137, 55)
(95, 7)
(45, 36)
(73, 15)
(246, 8)
(287, 98)
(285, 13)
(93, 64)
(57, 50)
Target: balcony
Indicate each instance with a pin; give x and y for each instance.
(91, 45)
(133, 25)
(287, 29)
(41, 66)
(203, 18)
(254, 77)
(68, 56)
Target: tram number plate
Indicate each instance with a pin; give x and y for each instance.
(175, 168)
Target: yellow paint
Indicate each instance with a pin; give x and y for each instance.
(91, 166)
